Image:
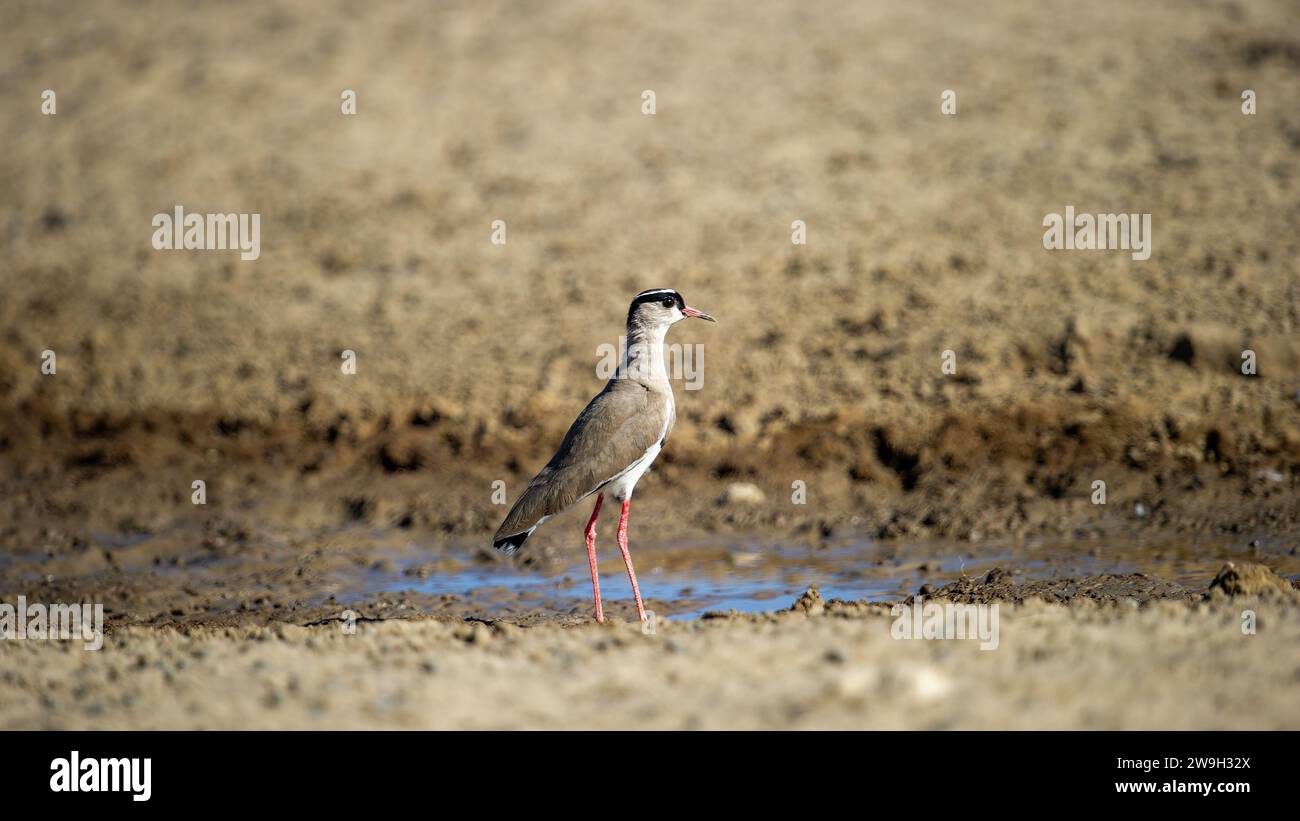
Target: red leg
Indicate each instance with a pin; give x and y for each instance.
(627, 558)
(591, 556)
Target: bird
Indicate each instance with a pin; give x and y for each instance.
(613, 442)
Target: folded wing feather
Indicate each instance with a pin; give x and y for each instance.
(616, 429)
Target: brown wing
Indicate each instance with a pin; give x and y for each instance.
(615, 430)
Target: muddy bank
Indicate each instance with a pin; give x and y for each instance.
(284, 510)
(72, 476)
(222, 574)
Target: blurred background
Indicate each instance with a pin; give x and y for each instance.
(924, 234)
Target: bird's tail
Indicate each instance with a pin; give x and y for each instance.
(509, 544)
(521, 521)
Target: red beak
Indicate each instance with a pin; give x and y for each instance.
(691, 312)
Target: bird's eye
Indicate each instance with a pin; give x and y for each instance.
(668, 302)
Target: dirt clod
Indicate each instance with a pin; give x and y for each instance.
(1250, 579)
(810, 603)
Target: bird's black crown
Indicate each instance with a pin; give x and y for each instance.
(664, 295)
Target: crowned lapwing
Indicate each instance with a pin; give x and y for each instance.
(613, 441)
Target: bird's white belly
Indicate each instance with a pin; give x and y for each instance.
(621, 488)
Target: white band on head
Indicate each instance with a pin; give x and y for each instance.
(654, 291)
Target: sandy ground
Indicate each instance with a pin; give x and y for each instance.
(1101, 652)
(924, 236)
(1084, 665)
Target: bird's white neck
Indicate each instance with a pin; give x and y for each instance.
(643, 360)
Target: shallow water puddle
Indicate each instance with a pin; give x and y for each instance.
(689, 580)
